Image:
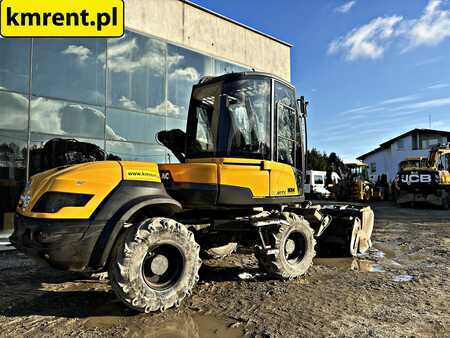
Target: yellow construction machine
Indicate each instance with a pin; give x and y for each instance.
(425, 181)
(240, 179)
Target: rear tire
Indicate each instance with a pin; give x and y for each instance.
(293, 249)
(155, 265)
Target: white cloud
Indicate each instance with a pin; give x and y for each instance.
(187, 74)
(81, 52)
(14, 112)
(400, 99)
(371, 40)
(431, 28)
(438, 85)
(172, 109)
(368, 41)
(128, 103)
(381, 106)
(345, 8)
(436, 103)
(126, 55)
(428, 61)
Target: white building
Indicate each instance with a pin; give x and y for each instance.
(386, 158)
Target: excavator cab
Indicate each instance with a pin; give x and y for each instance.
(244, 145)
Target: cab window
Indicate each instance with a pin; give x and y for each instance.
(287, 126)
(247, 110)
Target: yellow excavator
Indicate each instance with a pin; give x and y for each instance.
(239, 180)
(425, 181)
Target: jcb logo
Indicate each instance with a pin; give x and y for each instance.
(416, 178)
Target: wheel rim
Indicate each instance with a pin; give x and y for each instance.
(162, 266)
(295, 247)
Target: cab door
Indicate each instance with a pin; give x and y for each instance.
(242, 181)
(284, 173)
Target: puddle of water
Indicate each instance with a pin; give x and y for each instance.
(355, 264)
(248, 276)
(186, 326)
(176, 326)
(403, 278)
(382, 251)
(109, 315)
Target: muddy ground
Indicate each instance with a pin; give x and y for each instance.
(400, 289)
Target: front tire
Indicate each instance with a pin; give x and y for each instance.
(155, 265)
(293, 248)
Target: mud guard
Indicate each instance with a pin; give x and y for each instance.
(340, 230)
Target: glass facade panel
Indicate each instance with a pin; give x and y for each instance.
(66, 118)
(14, 64)
(136, 151)
(13, 149)
(43, 158)
(71, 69)
(130, 126)
(136, 68)
(185, 68)
(175, 124)
(13, 111)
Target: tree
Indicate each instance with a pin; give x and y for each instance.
(316, 160)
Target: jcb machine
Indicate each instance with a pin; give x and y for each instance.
(240, 180)
(425, 183)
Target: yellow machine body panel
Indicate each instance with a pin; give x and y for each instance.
(96, 178)
(245, 173)
(202, 173)
(140, 171)
(282, 179)
(225, 177)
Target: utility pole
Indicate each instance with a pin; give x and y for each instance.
(429, 121)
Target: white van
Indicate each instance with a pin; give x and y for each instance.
(315, 184)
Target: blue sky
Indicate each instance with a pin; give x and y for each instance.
(370, 69)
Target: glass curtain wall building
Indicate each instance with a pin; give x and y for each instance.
(115, 93)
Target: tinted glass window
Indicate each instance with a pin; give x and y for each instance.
(65, 118)
(136, 152)
(14, 64)
(13, 111)
(131, 126)
(202, 129)
(136, 66)
(72, 69)
(12, 174)
(223, 67)
(247, 103)
(286, 134)
(287, 126)
(318, 179)
(185, 68)
(285, 95)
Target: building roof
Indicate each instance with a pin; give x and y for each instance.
(236, 22)
(416, 131)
